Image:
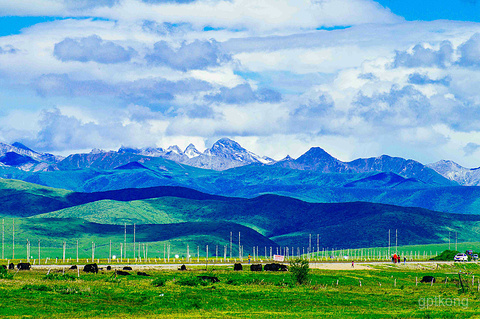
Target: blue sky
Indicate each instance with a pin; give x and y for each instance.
(358, 78)
(428, 10)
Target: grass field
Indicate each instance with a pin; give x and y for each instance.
(384, 292)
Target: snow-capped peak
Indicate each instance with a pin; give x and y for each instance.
(174, 149)
(191, 151)
(97, 151)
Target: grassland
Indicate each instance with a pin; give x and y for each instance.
(384, 292)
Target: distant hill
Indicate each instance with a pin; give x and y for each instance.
(286, 221)
(52, 232)
(289, 221)
(23, 199)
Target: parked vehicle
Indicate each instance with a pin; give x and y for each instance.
(460, 257)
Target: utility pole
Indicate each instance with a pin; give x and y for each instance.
(389, 243)
(110, 252)
(125, 242)
(39, 251)
(64, 248)
(456, 242)
(77, 250)
(448, 240)
(13, 238)
(310, 243)
(396, 241)
(239, 247)
(133, 241)
(3, 238)
(231, 245)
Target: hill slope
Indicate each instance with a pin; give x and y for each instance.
(289, 221)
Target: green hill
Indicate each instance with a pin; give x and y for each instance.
(289, 221)
(52, 232)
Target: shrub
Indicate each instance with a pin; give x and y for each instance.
(159, 282)
(192, 281)
(4, 274)
(446, 255)
(37, 288)
(299, 268)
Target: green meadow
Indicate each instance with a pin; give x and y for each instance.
(385, 291)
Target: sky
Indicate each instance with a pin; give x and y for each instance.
(358, 78)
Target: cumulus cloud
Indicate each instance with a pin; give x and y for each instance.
(421, 56)
(89, 4)
(257, 15)
(189, 56)
(63, 85)
(422, 79)
(92, 48)
(470, 148)
(317, 107)
(401, 106)
(8, 49)
(59, 132)
(144, 91)
(470, 51)
(243, 93)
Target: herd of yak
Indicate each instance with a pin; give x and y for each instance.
(93, 268)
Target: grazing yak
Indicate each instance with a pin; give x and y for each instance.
(275, 267)
(428, 279)
(256, 267)
(93, 268)
(73, 267)
(4, 267)
(24, 266)
(127, 268)
(237, 267)
(11, 266)
(122, 273)
(209, 278)
(182, 268)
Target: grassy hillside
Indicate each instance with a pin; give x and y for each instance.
(19, 198)
(285, 220)
(52, 232)
(289, 221)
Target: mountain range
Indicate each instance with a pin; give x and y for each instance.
(454, 172)
(223, 155)
(315, 176)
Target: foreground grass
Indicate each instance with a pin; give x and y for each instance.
(384, 292)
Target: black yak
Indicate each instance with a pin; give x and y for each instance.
(24, 266)
(256, 267)
(428, 279)
(237, 267)
(93, 268)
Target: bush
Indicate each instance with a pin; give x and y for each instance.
(4, 274)
(299, 268)
(192, 281)
(159, 282)
(446, 255)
